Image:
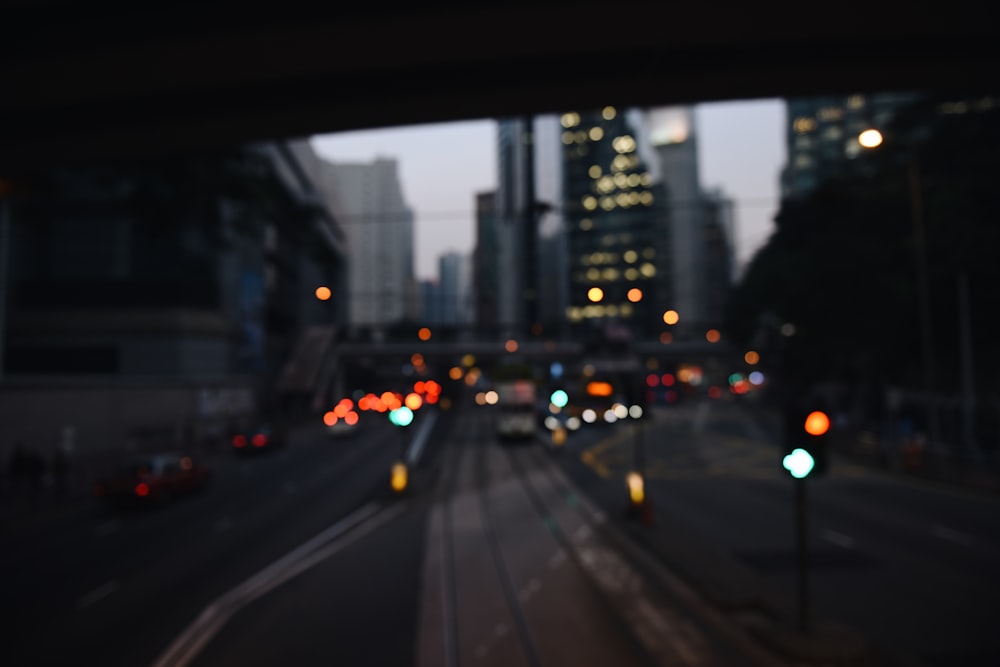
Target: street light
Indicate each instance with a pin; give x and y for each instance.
(872, 138)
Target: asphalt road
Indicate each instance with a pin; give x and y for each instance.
(910, 566)
(509, 555)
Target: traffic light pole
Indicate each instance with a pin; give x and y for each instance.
(802, 556)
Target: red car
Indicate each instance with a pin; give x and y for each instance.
(153, 478)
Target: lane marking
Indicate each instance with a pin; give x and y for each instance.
(97, 594)
(841, 540)
(419, 441)
(951, 535)
(183, 650)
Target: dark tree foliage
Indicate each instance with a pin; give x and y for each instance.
(841, 264)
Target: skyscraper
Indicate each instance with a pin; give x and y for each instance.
(822, 135)
(379, 225)
(617, 227)
(672, 135)
(486, 257)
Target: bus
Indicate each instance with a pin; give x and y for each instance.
(517, 392)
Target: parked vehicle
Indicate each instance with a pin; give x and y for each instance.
(153, 478)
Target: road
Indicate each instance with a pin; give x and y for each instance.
(910, 565)
(507, 555)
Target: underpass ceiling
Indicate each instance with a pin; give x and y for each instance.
(84, 82)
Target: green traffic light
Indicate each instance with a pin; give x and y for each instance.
(401, 416)
(799, 463)
(559, 398)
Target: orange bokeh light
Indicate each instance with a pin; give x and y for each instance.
(713, 335)
(424, 333)
(323, 293)
(817, 423)
(634, 295)
(413, 401)
(511, 345)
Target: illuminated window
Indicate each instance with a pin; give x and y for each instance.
(622, 200)
(621, 163)
(646, 198)
(647, 270)
(567, 138)
(646, 179)
(608, 113)
(596, 134)
(626, 310)
(580, 136)
(804, 124)
(593, 274)
(829, 114)
(855, 101)
(633, 180)
(631, 274)
(594, 172)
(607, 203)
(586, 224)
(621, 180)
(570, 119)
(606, 184)
(624, 144)
(590, 203)
(634, 198)
(631, 256)
(610, 274)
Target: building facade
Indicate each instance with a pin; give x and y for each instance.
(617, 226)
(153, 301)
(379, 225)
(821, 135)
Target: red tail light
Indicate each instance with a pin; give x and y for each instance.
(259, 440)
(240, 441)
(142, 489)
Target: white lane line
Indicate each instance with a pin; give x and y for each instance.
(97, 594)
(416, 448)
(951, 535)
(841, 540)
(189, 643)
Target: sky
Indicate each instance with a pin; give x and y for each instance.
(443, 166)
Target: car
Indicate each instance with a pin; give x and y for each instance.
(256, 437)
(152, 478)
(342, 428)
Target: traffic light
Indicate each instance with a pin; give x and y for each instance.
(559, 398)
(806, 434)
(401, 416)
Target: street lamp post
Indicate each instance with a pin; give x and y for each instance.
(871, 139)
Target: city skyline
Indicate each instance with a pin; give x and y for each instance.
(444, 166)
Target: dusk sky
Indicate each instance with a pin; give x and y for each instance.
(443, 166)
